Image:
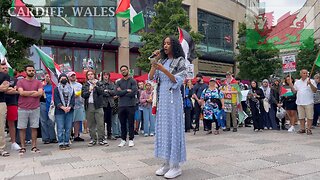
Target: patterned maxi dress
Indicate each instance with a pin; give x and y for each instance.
(170, 140)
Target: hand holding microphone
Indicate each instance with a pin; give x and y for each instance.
(155, 55)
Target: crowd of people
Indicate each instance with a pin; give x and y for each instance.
(111, 110)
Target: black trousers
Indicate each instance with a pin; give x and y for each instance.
(187, 118)
(197, 111)
(208, 124)
(256, 117)
(126, 116)
(107, 119)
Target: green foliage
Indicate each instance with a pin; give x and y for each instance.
(169, 16)
(307, 56)
(16, 45)
(256, 64)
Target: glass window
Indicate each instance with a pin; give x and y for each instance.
(218, 31)
(133, 61)
(109, 62)
(96, 57)
(64, 57)
(79, 55)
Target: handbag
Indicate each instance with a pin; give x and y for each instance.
(281, 113)
(52, 109)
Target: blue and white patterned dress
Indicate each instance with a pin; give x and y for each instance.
(170, 141)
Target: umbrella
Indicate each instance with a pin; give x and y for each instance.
(115, 76)
(142, 78)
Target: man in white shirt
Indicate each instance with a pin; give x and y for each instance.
(304, 87)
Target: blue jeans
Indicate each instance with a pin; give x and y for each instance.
(47, 126)
(115, 125)
(64, 124)
(149, 121)
(316, 114)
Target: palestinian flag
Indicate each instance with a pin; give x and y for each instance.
(3, 59)
(285, 92)
(187, 44)
(23, 22)
(126, 10)
(52, 68)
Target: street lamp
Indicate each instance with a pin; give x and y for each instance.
(205, 27)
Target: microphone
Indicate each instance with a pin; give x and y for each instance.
(154, 55)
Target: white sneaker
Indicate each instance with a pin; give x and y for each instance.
(122, 143)
(131, 144)
(15, 147)
(173, 173)
(151, 134)
(291, 129)
(163, 170)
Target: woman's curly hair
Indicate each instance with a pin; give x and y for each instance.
(176, 48)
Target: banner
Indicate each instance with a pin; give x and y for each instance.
(289, 63)
(190, 71)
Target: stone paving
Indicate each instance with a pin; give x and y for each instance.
(242, 155)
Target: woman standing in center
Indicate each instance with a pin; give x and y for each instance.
(255, 97)
(64, 102)
(170, 72)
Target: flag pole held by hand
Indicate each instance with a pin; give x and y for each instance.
(316, 62)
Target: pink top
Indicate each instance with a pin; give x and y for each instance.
(145, 95)
(27, 102)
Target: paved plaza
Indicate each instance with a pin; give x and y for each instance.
(242, 155)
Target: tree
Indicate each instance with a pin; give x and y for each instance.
(307, 56)
(256, 64)
(169, 16)
(17, 46)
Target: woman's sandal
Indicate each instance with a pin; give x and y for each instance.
(22, 151)
(5, 154)
(35, 150)
(309, 132)
(301, 131)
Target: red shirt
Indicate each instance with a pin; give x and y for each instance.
(27, 102)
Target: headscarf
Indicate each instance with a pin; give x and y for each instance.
(65, 90)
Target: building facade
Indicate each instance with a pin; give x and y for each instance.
(106, 41)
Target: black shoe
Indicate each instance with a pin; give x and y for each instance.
(205, 129)
(78, 139)
(54, 141)
(187, 131)
(235, 129)
(62, 147)
(227, 129)
(284, 128)
(247, 125)
(136, 133)
(67, 147)
(46, 142)
(111, 138)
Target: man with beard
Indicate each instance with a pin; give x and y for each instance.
(126, 90)
(197, 90)
(30, 90)
(4, 85)
(11, 97)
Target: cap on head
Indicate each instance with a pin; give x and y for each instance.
(71, 73)
(265, 81)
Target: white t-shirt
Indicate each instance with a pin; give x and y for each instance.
(304, 92)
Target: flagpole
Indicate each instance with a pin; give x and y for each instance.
(314, 64)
